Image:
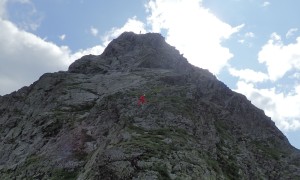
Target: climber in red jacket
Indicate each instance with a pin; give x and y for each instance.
(142, 100)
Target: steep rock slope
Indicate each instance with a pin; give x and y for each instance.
(85, 123)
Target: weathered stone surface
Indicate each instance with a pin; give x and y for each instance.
(85, 123)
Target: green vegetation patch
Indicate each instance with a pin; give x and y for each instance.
(151, 144)
(33, 161)
(267, 151)
(222, 129)
(162, 170)
(229, 166)
(152, 141)
(64, 174)
(172, 99)
(213, 164)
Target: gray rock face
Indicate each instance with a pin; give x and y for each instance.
(85, 123)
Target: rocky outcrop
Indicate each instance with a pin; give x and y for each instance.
(85, 123)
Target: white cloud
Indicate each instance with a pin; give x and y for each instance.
(282, 108)
(242, 41)
(193, 30)
(265, 4)
(94, 31)
(280, 58)
(24, 57)
(291, 32)
(248, 75)
(62, 37)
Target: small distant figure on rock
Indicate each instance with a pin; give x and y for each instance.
(142, 99)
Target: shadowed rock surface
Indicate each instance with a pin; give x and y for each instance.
(85, 123)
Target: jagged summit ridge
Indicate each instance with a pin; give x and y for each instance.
(131, 51)
(129, 41)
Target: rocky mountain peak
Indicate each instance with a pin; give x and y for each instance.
(129, 41)
(131, 51)
(86, 123)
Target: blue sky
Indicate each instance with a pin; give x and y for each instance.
(253, 46)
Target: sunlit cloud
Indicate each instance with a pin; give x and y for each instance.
(194, 31)
(278, 57)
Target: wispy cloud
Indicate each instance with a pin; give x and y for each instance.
(28, 19)
(249, 35)
(245, 39)
(94, 31)
(62, 37)
(265, 4)
(242, 41)
(291, 32)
